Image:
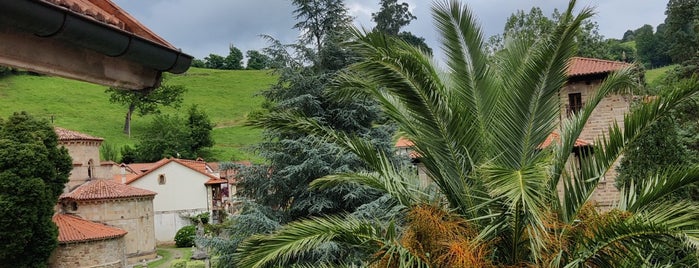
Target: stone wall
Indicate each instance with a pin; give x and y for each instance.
(135, 215)
(83, 153)
(102, 253)
(612, 108)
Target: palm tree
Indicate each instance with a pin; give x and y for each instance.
(478, 127)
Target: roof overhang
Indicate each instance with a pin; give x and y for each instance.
(45, 38)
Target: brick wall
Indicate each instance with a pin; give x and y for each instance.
(102, 253)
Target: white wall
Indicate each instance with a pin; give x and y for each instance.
(184, 188)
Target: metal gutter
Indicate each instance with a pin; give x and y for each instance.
(49, 21)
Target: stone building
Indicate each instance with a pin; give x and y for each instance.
(584, 78)
(117, 205)
(83, 243)
(85, 151)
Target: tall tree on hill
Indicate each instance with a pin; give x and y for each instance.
(534, 25)
(682, 32)
(234, 60)
(257, 60)
(651, 46)
(214, 61)
(393, 16)
(145, 101)
(33, 172)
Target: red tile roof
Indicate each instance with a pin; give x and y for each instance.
(215, 181)
(196, 165)
(586, 66)
(108, 13)
(555, 137)
(105, 189)
(70, 135)
(73, 229)
(404, 142)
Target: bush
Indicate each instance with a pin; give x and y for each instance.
(196, 264)
(185, 236)
(178, 263)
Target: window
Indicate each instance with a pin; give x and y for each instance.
(90, 166)
(574, 103)
(161, 179)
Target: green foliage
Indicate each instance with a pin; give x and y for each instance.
(199, 134)
(165, 136)
(681, 33)
(128, 155)
(108, 152)
(502, 200)
(203, 217)
(196, 264)
(146, 101)
(651, 46)
(173, 136)
(198, 63)
(534, 25)
(392, 16)
(33, 171)
(214, 61)
(257, 60)
(234, 60)
(660, 147)
(180, 263)
(185, 236)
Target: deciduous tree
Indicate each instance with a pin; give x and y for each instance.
(257, 60)
(145, 101)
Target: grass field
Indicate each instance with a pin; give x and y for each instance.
(226, 96)
(654, 74)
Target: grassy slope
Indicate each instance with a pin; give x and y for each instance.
(226, 96)
(654, 74)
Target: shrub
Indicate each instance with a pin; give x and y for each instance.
(185, 236)
(178, 263)
(196, 264)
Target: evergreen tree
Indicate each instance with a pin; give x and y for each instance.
(33, 172)
(293, 158)
(200, 127)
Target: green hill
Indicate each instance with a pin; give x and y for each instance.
(654, 75)
(226, 96)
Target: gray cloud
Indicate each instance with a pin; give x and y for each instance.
(209, 26)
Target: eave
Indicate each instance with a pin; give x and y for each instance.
(45, 38)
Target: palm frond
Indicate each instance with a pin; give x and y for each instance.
(657, 186)
(299, 238)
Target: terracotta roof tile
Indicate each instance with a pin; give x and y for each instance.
(585, 66)
(105, 189)
(74, 229)
(70, 135)
(555, 137)
(196, 165)
(108, 13)
(215, 181)
(404, 142)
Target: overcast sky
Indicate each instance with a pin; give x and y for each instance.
(202, 27)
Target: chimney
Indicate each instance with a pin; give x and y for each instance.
(123, 173)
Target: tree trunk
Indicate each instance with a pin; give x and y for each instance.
(127, 121)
